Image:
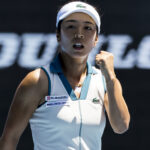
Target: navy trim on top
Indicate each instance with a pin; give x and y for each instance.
(49, 81)
(55, 67)
(49, 85)
(67, 86)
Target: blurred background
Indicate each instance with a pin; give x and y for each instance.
(27, 40)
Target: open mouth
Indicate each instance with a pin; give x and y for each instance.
(78, 46)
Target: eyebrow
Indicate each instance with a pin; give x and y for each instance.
(87, 22)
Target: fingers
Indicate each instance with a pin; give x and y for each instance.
(104, 58)
(99, 60)
(105, 61)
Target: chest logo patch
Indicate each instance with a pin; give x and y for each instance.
(95, 100)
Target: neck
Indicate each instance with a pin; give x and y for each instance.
(73, 67)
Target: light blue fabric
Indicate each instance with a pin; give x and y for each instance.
(55, 67)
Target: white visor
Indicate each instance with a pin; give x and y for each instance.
(73, 7)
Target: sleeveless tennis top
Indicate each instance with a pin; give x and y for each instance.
(65, 122)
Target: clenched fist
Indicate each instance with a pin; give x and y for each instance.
(105, 61)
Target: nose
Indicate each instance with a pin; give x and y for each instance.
(79, 34)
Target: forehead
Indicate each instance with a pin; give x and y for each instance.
(79, 17)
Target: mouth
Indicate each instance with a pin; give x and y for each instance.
(78, 46)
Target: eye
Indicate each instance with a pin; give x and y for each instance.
(88, 28)
(70, 27)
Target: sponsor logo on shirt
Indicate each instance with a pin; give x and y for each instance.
(56, 100)
(95, 100)
(48, 98)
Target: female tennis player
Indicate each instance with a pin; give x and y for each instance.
(66, 100)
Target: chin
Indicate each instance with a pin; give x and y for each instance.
(76, 54)
(79, 56)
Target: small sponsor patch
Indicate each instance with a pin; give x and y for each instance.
(95, 100)
(56, 100)
(50, 98)
(47, 98)
(48, 104)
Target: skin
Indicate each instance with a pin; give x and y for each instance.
(34, 87)
(114, 102)
(28, 96)
(72, 25)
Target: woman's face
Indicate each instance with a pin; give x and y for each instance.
(78, 35)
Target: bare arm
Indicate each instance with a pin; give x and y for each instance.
(114, 102)
(116, 107)
(27, 97)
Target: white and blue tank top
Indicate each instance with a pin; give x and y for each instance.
(65, 122)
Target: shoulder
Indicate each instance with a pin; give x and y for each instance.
(35, 82)
(35, 77)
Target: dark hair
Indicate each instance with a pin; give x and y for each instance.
(59, 26)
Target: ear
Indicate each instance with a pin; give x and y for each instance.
(96, 40)
(58, 36)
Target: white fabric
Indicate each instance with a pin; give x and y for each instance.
(74, 125)
(73, 7)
